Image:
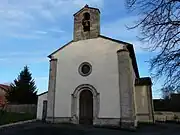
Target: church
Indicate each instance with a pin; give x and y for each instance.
(95, 80)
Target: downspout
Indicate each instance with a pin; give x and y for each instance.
(54, 88)
(120, 106)
(150, 102)
(53, 105)
(148, 94)
(152, 105)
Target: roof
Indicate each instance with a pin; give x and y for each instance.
(60, 48)
(115, 40)
(43, 93)
(143, 81)
(175, 95)
(4, 87)
(86, 6)
(118, 41)
(129, 47)
(133, 57)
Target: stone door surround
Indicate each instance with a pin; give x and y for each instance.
(75, 102)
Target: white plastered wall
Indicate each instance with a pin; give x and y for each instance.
(102, 55)
(41, 98)
(143, 103)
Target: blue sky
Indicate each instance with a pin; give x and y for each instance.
(31, 29)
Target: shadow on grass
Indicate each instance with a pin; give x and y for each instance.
(11, 117)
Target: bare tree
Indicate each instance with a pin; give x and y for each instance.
(159, 24)
(167, 91)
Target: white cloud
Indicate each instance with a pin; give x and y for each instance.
(81, 3)
(41, 32)
(24, 57)
(41, 78)
(118, 28)
(56, 30)
(18, 18)
(12, 54)
(24, 60)
(2, 59)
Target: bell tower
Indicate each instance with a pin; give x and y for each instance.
(86, 23)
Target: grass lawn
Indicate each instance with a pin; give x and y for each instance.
(10, 117)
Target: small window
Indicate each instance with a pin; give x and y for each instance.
(85, 69)
(86, 16)
(86, 22)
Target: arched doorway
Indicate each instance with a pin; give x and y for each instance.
(86, 107)
(75, 104)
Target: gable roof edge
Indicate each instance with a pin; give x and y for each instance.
(115, 40)
(134, 61)
(49, 56)
(42, 93)
(143, 81)
(4, 87)
(130, 49)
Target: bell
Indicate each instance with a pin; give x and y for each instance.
(86, 23)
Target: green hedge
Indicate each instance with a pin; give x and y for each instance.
(10, 117)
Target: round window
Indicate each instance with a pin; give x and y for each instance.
(85, 69)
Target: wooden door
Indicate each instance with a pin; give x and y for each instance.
(44, 112)
(86, 107)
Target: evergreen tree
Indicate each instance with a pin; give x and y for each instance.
(23, 90)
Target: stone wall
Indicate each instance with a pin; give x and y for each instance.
(94, 32)
(143, 103)
(41, 99)
(107, 122)
(126, 89)
(25, 108)
(165, 116)
(51, 89)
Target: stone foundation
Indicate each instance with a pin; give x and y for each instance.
(59, 119)
(101, 122)
(106, 122)
(126, 85)
(128, 124)
(116, 122)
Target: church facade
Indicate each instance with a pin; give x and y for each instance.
(95, 80)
